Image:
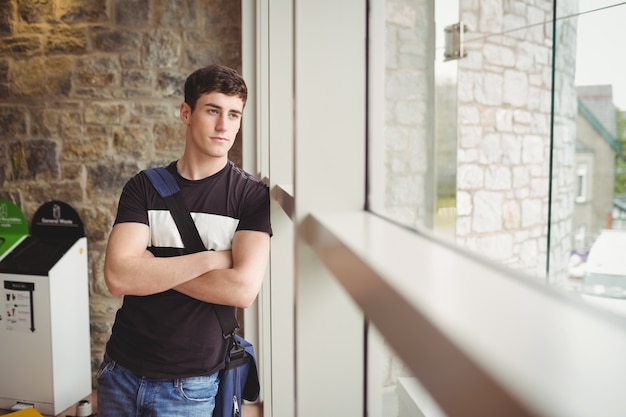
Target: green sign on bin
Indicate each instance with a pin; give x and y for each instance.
(13, 226)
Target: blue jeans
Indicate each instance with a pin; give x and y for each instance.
(124, 394)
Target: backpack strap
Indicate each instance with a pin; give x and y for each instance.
(163, 181)
(167, 187)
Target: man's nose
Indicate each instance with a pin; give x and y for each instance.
(222, 122)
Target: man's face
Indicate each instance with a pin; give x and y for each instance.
(214, 123)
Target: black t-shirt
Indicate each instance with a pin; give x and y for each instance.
(169, 334)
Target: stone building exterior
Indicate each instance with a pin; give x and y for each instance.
(511, 178)
(596, 150)
(515, 169)
(504, 140)
(89, 95)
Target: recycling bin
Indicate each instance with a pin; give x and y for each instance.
(13, 226)
(45, 354)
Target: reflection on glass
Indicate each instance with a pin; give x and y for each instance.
(401, 108)
(516, 151)
(504, 133)
(461, 148)
(594, 266)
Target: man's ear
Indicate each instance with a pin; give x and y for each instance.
(185, 112)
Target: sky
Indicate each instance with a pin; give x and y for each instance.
(600, 57)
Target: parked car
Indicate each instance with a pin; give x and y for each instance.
(605, 269)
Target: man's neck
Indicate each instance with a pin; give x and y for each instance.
(197, 170)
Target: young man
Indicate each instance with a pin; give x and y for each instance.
(166, 345)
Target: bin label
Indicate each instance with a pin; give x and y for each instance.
(13, 225)
(18, 312)
(57, 220)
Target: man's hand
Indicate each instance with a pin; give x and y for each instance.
(237, 285)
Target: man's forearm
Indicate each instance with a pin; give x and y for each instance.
(148, 275)
(237, 285)
(223, 286)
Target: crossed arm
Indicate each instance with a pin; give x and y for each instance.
(231, 277)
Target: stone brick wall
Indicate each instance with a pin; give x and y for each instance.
(497, 114)
(504, 146)
(89, 95)
(409, 112)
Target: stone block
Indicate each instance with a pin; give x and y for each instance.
(7, 20)
(105, 113)
(22, 45)
(41, 76)
(161, 49)
(4, 71)
(139, 112)
(73, 172)
(169, 138)
(98, 71)
(487, 216)
(133, 141)
(13, 122)
(4, 156)
(67, 40)
(532, 212)
(116, 40)
(41, 191)
(132, 12)
(96, 93)
(470, 177)
(70, 124)
(131, 59)
(17, 156)
(175, 13)
(36, 11)
(199, 55)
(108, 178)
(533, 147)
(41, 157)
(499, 246)
(81, 11)
(137, 78)
(171, 84)
(91, 149)
(98, 219)
(515, 88)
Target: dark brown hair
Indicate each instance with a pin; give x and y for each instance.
(214, 78)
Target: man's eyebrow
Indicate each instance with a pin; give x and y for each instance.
(215, 106)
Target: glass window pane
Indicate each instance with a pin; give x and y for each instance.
(460, 123)
(595, 153)
(401, 110)
(510, 142)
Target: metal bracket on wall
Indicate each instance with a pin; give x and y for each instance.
(454, 41)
